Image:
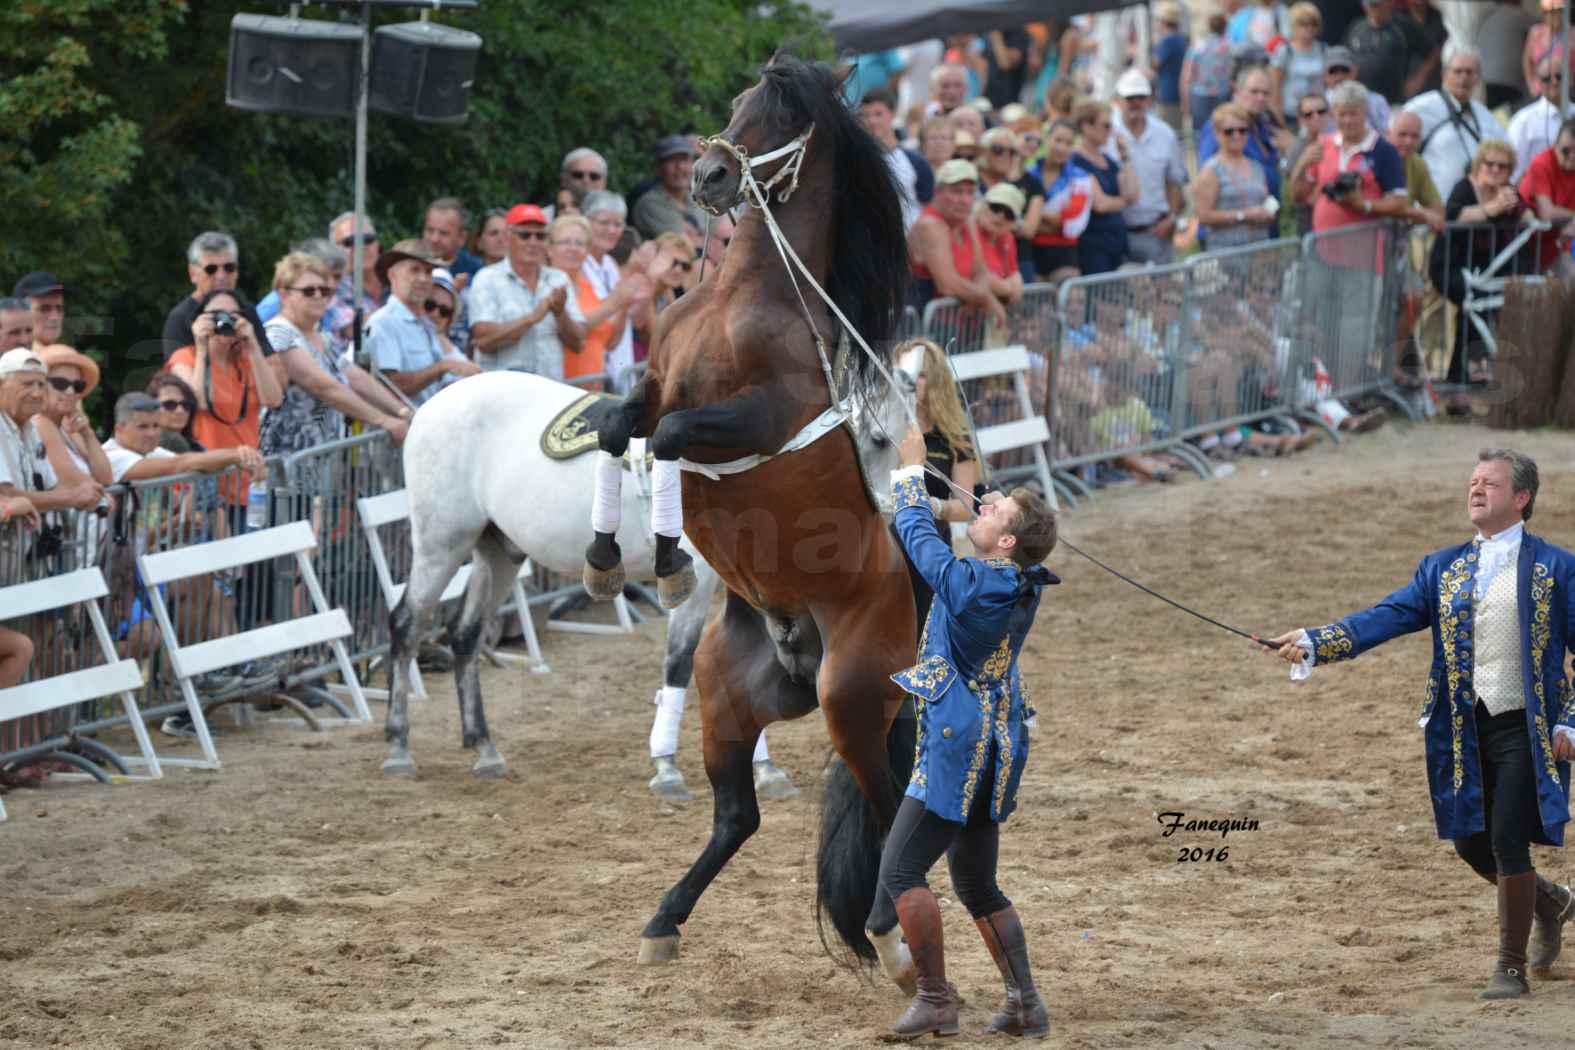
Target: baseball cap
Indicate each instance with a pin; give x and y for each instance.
(442, 278)
(1338, 58)
(521, 214)
(956, 170)
(41, 282)
(21, 360)
(1133, 84)
(671, 146)
(1008, 196)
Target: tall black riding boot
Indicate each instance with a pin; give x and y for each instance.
(1517, 897)
(1023, 1012)
(1554, 906)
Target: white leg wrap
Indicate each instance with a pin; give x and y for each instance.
(669, 716)
(667, 499)
(896, 961)
(761, 754)
(607, 507)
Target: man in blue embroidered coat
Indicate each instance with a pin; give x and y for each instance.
(972, 745)
(1499, 715)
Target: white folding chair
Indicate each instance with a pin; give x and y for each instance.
(1030, 430)
(115, 676)
(324, 626)
(391, 507)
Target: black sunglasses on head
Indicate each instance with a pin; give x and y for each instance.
(213, 268)
(432, 304)
(62, 384)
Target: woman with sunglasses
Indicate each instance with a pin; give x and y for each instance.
(1114, 185)
(72, 377)
(1003, 166)
(1229, 194)
(995, 222)
(670, 270)
(441, 309)
(1312, 122)
(232, 379)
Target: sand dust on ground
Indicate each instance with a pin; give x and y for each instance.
(296, 899)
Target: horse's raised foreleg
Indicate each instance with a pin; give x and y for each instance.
(742, 689)
(603, 575)
(491, 576)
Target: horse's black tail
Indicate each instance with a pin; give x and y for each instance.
(847, 863)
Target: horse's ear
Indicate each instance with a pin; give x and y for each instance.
(840, 77)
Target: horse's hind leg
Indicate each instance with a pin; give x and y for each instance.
(684, 628)
(491, 576)
(432, 570)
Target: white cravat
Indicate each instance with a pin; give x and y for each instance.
(1495, 553)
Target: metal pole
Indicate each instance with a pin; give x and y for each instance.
(1564, 88)
(358, 249)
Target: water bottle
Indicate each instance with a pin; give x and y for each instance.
(257, 506)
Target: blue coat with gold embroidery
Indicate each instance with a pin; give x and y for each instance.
(966, 688)
(1439, 597)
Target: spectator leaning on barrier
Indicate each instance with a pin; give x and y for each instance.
(942, 250)
(915, 180)
(444, 227)
(1454, 124)
(1534, 128)
(665, 206)
(1265, 141)
(1155, 154)
(996, 218)
(1114, 185)
(16, 324)
(400, 338)
(522, 312)
(212, 264)
(72, 377)
(46, 298)
(341, 311)
(335, 263)
(134, 453)
(1231, 195)
(1549, 188)
(1339, 66)
(51, 481)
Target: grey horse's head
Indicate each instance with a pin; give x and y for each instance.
(879, 416)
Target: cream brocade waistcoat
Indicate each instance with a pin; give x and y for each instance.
(1499, 682)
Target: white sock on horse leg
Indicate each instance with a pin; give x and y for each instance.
(667, 499)
(607, 506)
(761, 754)
(669, 716)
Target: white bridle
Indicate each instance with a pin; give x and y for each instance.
(750, 190)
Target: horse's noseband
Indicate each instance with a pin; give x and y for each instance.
(751, 190)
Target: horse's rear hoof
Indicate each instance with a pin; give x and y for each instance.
(655, 950)
(604, 584)
(772, 783)
(403, 767)
(491, 770)
(672, 591)
(668, 785)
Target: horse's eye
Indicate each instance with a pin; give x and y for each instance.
(882, 441)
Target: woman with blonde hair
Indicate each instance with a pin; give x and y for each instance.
(948, 443)
(569, 240)
(1230, 193)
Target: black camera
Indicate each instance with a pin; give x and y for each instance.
(223, 322)
(1344, 183)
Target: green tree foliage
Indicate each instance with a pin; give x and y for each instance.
(116, 146)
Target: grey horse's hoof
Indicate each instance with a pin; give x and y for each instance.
(654, 950)
(493, 769)
(402, 766)
(672, 591)
(772, 783)
(603, 584)
(668, 784)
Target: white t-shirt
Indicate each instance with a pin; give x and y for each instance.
(21, 456)
(122, 459)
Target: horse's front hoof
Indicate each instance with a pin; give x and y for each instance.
(672, 591)
(772, 783)
(668, 784)
(603, 584)
(654, 950)
(491, 768)
(402, 766)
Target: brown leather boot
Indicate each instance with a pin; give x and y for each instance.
(934, 1008)
(1023, 1012)
(1554, 906)
(1517, 898)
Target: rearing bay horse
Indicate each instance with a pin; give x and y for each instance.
(818, 609)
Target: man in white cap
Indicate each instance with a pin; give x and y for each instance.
(1155, 153)
(39, 470)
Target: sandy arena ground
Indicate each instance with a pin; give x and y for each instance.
(297, 899)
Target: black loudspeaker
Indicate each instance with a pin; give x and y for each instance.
(423, 71)
(287, 65)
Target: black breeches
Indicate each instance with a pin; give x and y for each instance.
(918, 838)
(1509, 797)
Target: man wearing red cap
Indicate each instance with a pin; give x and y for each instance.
(522, 311)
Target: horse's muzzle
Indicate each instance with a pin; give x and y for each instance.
(714, 183)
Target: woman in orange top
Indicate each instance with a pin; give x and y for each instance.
(227, 371)
(568, 241)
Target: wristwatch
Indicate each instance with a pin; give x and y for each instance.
(1241, 216)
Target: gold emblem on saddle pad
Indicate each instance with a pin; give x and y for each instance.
(570, 433)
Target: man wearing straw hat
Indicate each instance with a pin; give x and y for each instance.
(1498, 716)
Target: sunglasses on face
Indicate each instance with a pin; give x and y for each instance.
(1497, 165)
(1004, 212)
(433, 306)
(172, 405)
(1233, 131)
(1339, 70)
(213, 268)
(1002, 151)
(63, 384)
(530, 235)
(1309, 113)
(366, 238)
(586, 176)
(314, 291)
(684, 264)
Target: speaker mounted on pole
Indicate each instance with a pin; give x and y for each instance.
(293, 65)
(423, 71)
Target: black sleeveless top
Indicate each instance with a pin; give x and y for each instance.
(940, 455)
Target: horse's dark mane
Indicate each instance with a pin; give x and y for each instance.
(868, 274)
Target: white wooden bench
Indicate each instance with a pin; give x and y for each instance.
(322, 626)
(84, 587)
(392, 507)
